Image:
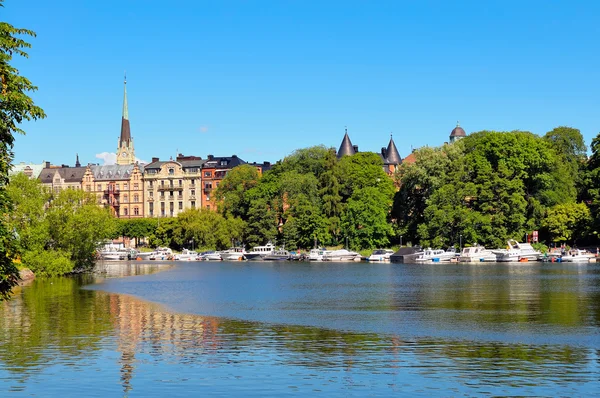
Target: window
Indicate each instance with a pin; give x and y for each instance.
(193, 192)
(136, 211)
(125, 198)
(117, 187)
(180, 183)
(88, 188)
(171, 194)
(162, 194)
(180, 205)
(125, 211)
(171, 171)
(150, 183)
(192, 182)
(208, 198)
(171, 207)
(136, 186)
(151, 208)
(136, 198)
(207, 174)
(125, 186)
(151, 194)
(99, 187)
(223, 163)
(193, 204)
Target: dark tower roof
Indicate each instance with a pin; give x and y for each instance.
(125, 131)
(77, 164)
(458, 131)
(392, 155)
(346, 148)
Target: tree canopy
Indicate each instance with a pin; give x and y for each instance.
(15, 107)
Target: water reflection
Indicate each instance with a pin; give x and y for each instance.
(123, 345)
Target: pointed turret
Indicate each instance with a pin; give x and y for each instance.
(392, 155)
(125, 131)
(77, 164)
(346, 148)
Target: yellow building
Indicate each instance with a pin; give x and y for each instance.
(118, 187)
(172, 186)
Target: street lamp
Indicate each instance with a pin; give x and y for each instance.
(460, 243)
(400, 240)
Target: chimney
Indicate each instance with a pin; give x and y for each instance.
(210, 157)
(355, 148)
(154, 160)
(47, 165)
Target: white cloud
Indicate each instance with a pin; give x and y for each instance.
(204, 129)
(108, 157)
(140, 161)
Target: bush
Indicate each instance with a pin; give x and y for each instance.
(48, 262)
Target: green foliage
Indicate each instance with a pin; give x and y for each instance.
(136, 228)
(15, 107)
(487, 188)
(567, 222)
(232, 191)
(365, 221)
(47, 263)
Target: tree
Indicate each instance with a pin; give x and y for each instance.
(365, 221)
(232, 191)
(137, 228)
(15, 107)
(567, 222)
(76, 224)
(570, 146)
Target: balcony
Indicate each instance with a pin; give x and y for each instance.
(207, 189)
(163, 188)
(111, 191)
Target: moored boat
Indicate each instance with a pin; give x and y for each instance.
(316, 254)
(233, 254)
(516, 251)
(476, 254)
(435, 255)
(380, 255)
(577, 256)
(277, 255)
(341, 255)
(259, 252)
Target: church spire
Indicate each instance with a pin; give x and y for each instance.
(125, 130)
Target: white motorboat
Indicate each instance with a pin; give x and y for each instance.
(577, 256)
(380, 255)
(259, 252)
(186, 255)
(117, 255)
(211, 256)
(277, 255)
(316, 254)
(233, 254)
(161, 253)
(341, 255)
(516, 251)
(476, 254)
(435, 255)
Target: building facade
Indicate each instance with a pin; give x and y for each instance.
(214, 170)
(172, 186)
(117, 187)
(59, 178)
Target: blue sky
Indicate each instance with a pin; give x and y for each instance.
(262, 78)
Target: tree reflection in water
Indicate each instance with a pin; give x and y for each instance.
(54, 322)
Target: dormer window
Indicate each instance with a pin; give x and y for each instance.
(223, 163)
(171, 171)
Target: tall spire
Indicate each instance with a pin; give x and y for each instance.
(77, 164)
(125, 130)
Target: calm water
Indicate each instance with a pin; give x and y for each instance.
(258, 329)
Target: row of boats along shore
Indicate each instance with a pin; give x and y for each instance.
(514, 252)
